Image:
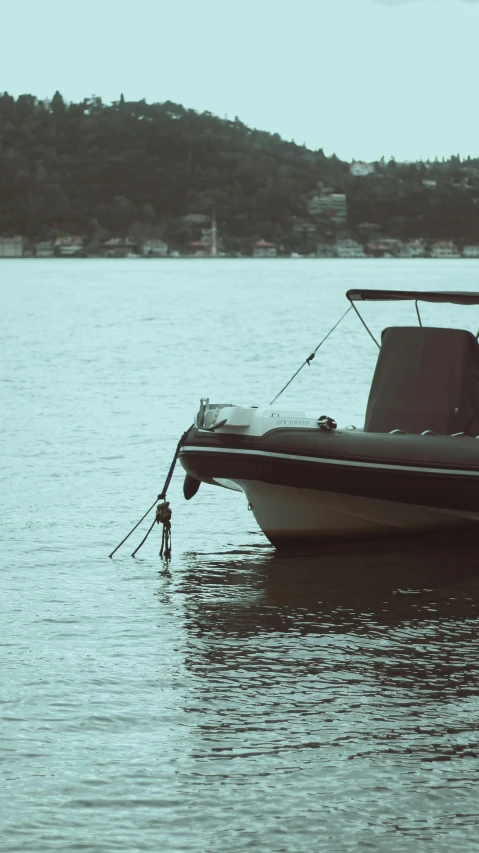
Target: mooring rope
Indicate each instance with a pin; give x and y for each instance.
(310, 358)
(144, 538)
(161, 497)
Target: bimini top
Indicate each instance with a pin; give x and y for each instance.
(456, 297)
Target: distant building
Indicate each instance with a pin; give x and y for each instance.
(413, 249)
(199, 249)
(444, 249)
(349, 249)
(392, 244)
(361, 170)
(119, 247)
(44, 249)
(11, 247)
(470, 252)
(430, 184)
(154, 249)
(263, 249)
(375, 250)
(68, 246)
(334, 207)
(384, 247)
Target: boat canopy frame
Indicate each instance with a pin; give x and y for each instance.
(440, 296)
(455, 297)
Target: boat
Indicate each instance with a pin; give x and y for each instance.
(413, 467)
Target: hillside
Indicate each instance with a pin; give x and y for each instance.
(138, 169)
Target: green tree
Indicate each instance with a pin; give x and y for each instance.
(57, 104)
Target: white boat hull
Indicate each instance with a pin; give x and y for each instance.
(288, 514)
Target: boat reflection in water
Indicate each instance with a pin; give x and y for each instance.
(366, 654)
(374, 579)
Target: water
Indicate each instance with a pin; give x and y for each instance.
(248, 701)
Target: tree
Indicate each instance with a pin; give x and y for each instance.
(57, 105)
(146, 166)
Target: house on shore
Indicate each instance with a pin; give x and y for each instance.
(413, 249)
(44, 249)
(349, 249)
(119, 247)
(154, 249)
(384, 247)
(444, 249)
(263, 249)
(470, 252)
(198, 249)
(68, 247)
(11, 247)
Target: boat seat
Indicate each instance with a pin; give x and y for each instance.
(426, 382)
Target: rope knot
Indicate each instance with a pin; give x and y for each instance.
(163, 515)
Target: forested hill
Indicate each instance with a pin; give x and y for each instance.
(136, 168)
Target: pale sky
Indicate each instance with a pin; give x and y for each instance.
(361, 78)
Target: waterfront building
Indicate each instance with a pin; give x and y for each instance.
(119, 247)
(263, 249)
(68, 246)
(154, 249)
(349, 249)
(44, 249)
(384, 247)
(391, 244)
(444, 249)
(11, 247)
(470, 252)
(376, 250)
(199, 249)
(413, 249)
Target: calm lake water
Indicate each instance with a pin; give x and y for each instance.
(248, 701)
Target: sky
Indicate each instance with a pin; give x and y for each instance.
(358, 78)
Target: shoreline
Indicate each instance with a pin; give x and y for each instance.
(233, 258)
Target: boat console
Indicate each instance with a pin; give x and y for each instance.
(426, 382)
